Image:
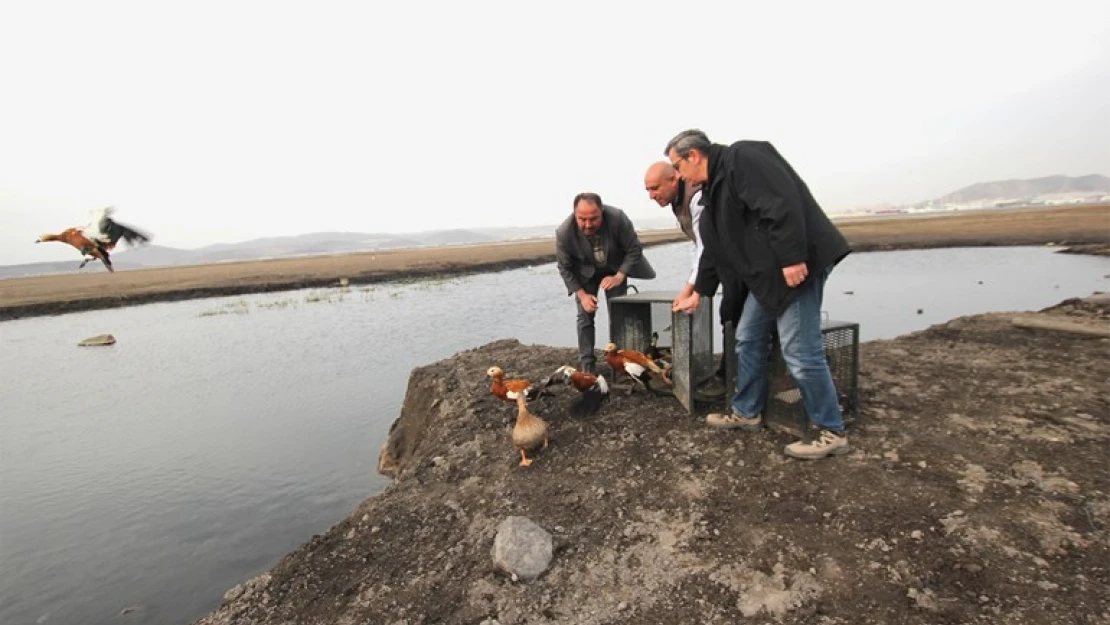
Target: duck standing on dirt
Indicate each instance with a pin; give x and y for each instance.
(507, 390)
(635, 365)
(593, 389)
(530, 431)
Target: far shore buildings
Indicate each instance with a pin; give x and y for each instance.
(1053, 199)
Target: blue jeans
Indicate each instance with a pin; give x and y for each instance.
(803, 349)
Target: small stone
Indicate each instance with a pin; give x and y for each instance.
(100, 340)
(375, 529)
(622, 606)
(922, 464)
(916, 535)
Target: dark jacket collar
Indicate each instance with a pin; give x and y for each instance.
(716, 171)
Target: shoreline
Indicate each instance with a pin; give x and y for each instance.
(1087, 227)
(978, 442)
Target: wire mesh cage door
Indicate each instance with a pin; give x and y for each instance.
(784, 399)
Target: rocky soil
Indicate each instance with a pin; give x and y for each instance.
(977, 492)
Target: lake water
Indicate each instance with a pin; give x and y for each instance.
(219, 434)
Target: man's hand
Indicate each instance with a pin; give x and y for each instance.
(688, 304)
(795, 274)
(589, 302)
(687, 289)
(609, 282)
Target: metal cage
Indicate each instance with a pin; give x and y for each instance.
(784, 399)
(633, 317)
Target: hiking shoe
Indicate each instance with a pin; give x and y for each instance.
(827, 443)
(733, 421)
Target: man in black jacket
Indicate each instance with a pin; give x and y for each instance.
(762, 228)
(596, 248)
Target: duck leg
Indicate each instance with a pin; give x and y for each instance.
(524, 460)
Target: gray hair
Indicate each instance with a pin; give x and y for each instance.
(686, 141)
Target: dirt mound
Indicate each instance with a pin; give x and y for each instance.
(977, 492)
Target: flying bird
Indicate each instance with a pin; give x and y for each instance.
(98, 239)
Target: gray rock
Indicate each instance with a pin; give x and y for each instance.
(98, 340)
(522, 548)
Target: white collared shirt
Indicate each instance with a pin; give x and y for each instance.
(695, 217)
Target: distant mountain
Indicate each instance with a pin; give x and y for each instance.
(1093, 184)
(458, 237)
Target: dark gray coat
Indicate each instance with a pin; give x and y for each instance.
(575, 256)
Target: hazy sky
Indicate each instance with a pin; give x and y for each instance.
(208, 122)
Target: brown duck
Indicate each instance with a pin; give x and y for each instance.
(530, 431)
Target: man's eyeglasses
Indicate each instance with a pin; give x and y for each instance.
(680, 159)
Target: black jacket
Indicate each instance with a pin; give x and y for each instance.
(760, 217)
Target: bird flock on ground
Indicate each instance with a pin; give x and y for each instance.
(530, 434)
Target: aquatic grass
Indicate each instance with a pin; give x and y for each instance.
(279, 304)
(328, 297)
(238, 307)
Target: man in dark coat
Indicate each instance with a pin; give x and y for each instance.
(761, 227)
(597, 248)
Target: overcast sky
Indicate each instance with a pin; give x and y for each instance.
(207, 122)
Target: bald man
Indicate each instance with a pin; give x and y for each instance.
(667, 188)
(664, 185)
